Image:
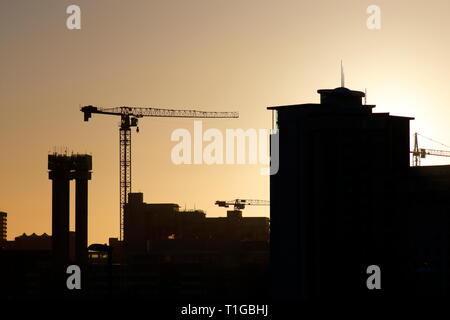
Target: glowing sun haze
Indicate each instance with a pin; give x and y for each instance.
(210, 55)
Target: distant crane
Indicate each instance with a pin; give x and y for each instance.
(240, 204)
(420, 153)
(128, 119)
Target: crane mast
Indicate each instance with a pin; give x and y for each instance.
(128, 119)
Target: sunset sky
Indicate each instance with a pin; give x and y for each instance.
(209, 55)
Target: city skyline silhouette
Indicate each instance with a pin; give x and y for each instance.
(239, 57)
(103, 197)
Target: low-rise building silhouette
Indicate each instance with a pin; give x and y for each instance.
(146, 223)
(43, 242)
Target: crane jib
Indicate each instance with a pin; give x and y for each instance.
(157, 112)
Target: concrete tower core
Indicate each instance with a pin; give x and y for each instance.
(62, 169)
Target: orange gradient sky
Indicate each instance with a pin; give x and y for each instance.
(207, 54)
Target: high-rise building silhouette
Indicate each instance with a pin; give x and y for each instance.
(341, 201)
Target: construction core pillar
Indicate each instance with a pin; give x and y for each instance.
(62, 169)
(59, 173)
(81, 175)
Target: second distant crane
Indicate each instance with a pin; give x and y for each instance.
(421, 153)
(239, 204)
(128, 119)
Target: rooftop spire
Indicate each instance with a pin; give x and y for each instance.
(342, 76)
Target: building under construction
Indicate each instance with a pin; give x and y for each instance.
(167, 252)
(62, 169)
(170, 252)
(145, 223)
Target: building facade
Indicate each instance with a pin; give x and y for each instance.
(345, 198)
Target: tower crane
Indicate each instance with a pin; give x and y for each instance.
(420, 153)
(240, 204)
(128, 119)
